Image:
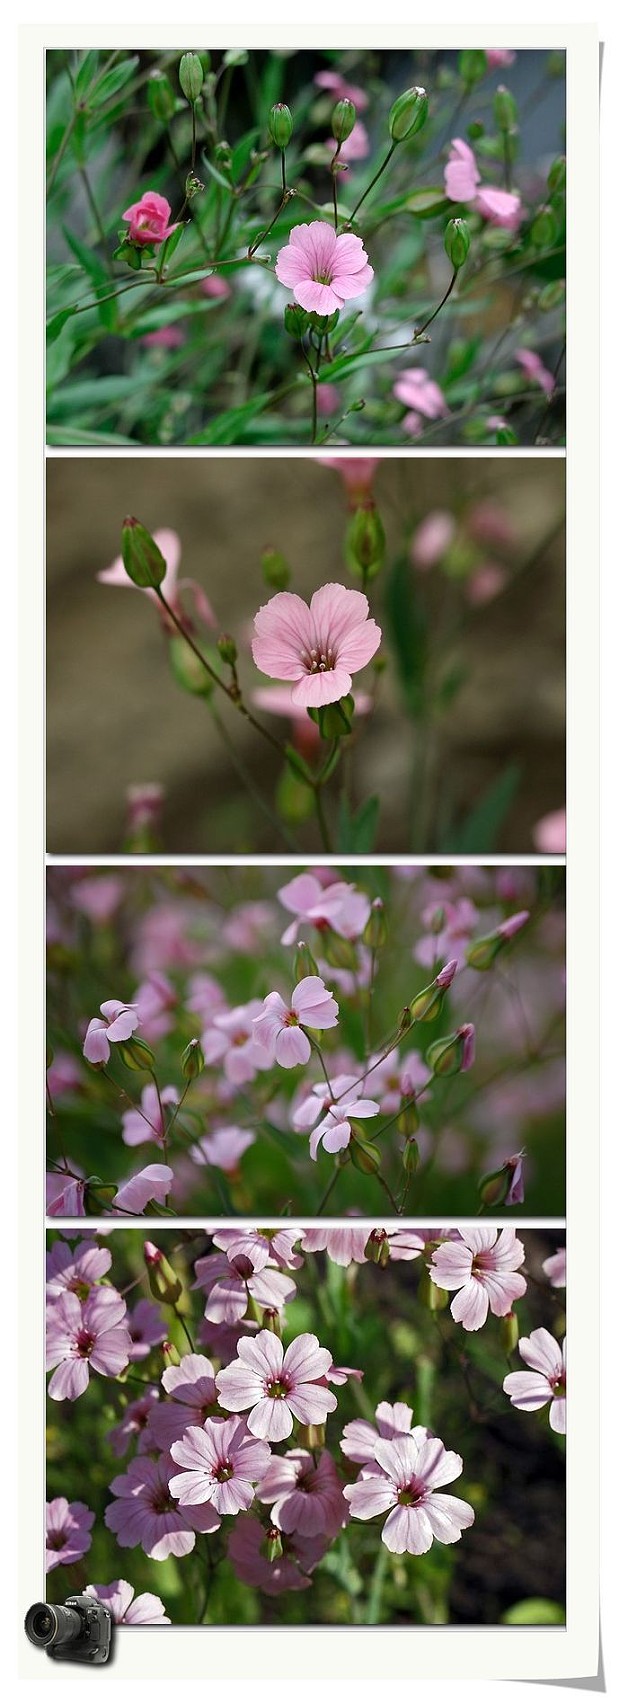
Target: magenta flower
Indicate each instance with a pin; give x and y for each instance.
(145, 1329)
(145, 1512)
(278, 1387)
(80, 1336)
(334, 1128)
(289, 1572)
(340, 907)
(407, 1480)
(222, 1463)
(148, 1124)
(193, 1399)
(280, 1029)
(67, 1532)
(305, 1496)
(134, 1425)
(482, 1266)
(125, 1608)
(149, 220)
(216, 287)
(534, 369)
(153, 1183)
(117, 1023)
(77, 1269)
(319, 648)
(546, 1380)
(323, 270)
(359, 1437)
(555, 1269)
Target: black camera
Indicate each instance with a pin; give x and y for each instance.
(79, 1630)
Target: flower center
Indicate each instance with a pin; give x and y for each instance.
(291, 1020)
(483, 1262)
(557, 1384)
(79, 1288)
(223, 1472)
(322, 277)
(57, 1540)
(318, 661)
(84, 1344)
(276, 1389)
(412, 1494)
(161, 1502)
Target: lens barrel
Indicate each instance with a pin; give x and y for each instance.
(50, 1626)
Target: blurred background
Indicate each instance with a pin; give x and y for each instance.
(116, 716)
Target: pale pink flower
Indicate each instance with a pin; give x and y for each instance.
(461, 174)
(489, 523)
(407, 1480)
(134, 1425)
(549, 834)
(230, 1040)
(248, 927)
(149, 1123)
(280, 1028)
(340, 907)
(64, 1075)
(323, 270)
(223, 1147)
(77, 1269)
(546, 1380)
(65, 1195)
(451, 925)
(146, 1329)
(340, 88)
(260, 1247)
(343, 1244)
(432, 539)
(483, 1267)
(555, 1269)
(221, 1463)
(125, 1608)
(67, 1532)
(305, 1495)
(193, 1399)
(145, 1512)
(331, 1114)
(117, 1023)
(205, 997)
(393, 1079)
(144, 806)
(499, 57)
(230, 1292)
(289, 1572)
(317, 648)
(156, 1000)
(149, 220)
(80, 1336)
(499, 207)
(153, 1183)
(393, 1419)
(278, 1387)
(485, 583)
(421, 396)
(357, 473)
(98, 897)
(216, 287)
(514, 1167)
(402, 1244)
(534, 369)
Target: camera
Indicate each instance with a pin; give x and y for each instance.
(79, 1630)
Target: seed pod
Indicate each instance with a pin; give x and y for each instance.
(408, 114)
(343, 120)
(191, 77)
(142, 558)
(192, 1061)
(136, 1053)
(281, 125)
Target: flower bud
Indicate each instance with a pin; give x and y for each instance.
(365, 542)
(271, 1320)
(364, 1154)
(505, 1186)
(296, 321)
(164, 1285)
(457, 242)
(187, 669)
(377, 1247)
(334, 720)
(311, 1436)
(557, 175)
(170, 1353)
(544, 228)
(228, 650)
(191, 76)
(136, 1053)
(193, 186)
(280, 125)
(408, 114)
(340, 953)
(275, 570)
(472, 65)
(481, 954)
(409, 1120)
(273, 1547)
(223, 155)
(304, 963)
(452, 1053)
(142, 558)
(192, 1061)
(505, 109)
(343, 120)
(375, 931)
(160, 95)
(410, 1157)
(509, 1331)
(431, 1296)
(429, 1003)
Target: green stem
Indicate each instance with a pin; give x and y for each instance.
(180, 1320)
(322, 820)
(328, 1191)
(370, 186)
(422, 328)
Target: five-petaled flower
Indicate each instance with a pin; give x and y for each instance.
(318, 648)
(117, 1023)
(221, 1464)
(546, 1380)
(323, 270)
(80, 1336)
(278, 1387)
(405, 1482)
(280, 1028)
(483, 1266)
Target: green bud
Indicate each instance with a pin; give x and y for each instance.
(324, 321)
(223, 155)
(281, 125)
(343, 120)
(410, 1156)
(160, 96)
(142, 558)
(472, 65)
(494, 1186)
(375, 931)
(409, 1121)
(457, 241)
(136, 1053)
(557, 175)
(544, 228)
(480, 955)
(342, 954)
(334, 720)
(505, 109)
(365, 542)
(304, 963)
(296, 321)
(509, 1331)
(377, 1247)
(312, 1436)
(187, 668)
(364, 1154)
(191, 77)
(475, 130)
(408, 114)
(275, 570)
(506, 436)
(552, 296)
(272, 1321)
(452, 1053)
(273, 1547)
(427, 1005)
(170, 1354)
(228, 650)
(192, 1061)
(431, 1296)
(163, 1282)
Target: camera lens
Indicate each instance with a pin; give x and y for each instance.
(47, 1626)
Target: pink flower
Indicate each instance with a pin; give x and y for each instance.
(222, 1462)
(278, 1387)
(461, 174)
(217, 288)
(170, 546)
(498, 57)
(230, 1292)
(319, 648)
(323, 270)
(333, 1129)
(327, 399)
(223, 1147)
(144, 805)
(145, 1512)
(343, 1244)
(359, 1437)
(289, 1572)
(341, 89)
(193, 1399)
(134, 1424)
(432, 539)
(230, 1040)
(356, 146)
(148, 1124)
(407, 1476)
(555, 1269)
(545, 1382)
(549, 833)
(393, 1079)
(357, 473)
(149, 219)
(76, 1269)
(260, 1247)
(499, 207)
(423, 398)
(125, 1608)
(306, 1495)
(340, 907)
(534, 369)
(98, 898)
(156, 1000)
(485, 583)
(153, 1183)
(80, 1336)
(145, 1329)
(67, 1532)
(117, 1024)
(167, 337)
(280, 1029)
(65, 1195)
(482, 1266)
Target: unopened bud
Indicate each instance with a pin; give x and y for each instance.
(457, 242)
(312, 1436)
(509, 1332)
(408, 114)
(273, 1547)
(544, 228)
(410, 1156)
(453, 1053)
(136, 1053)
(364, 1154)
(505, 109)
(472, 65)
(223, 155)
(160, 96)
(409, 1120)
(557, 175)
(170, 1353)
(191, 76)
(377, 1247)
(164, 1285)
(228, 649)
(481, 954)
(375, 931)
(304, 963)
(280, 125)
(275, 570)
(189, 672)
(142, 558)
(271, 1320)
(429, 1002)
(365, 542)
(343, 120)
(192, 1060)
(341, 953)
(335, 720)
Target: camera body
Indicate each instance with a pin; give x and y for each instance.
(80, 1630)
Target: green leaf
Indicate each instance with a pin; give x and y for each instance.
(171, 244)
(534, 1611)
(71, 437)
(481, 828)
(90, 262)
(357, 830)
(55, 324)
(87, 72)
(229, 425)
(427, 203)
(408, 629)
(113, 81)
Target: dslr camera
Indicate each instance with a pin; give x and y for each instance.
(79, 1630)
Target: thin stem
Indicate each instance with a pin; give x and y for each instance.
(422, 328)
(284, 184)
(328, 1191)
(370, 186)
(179, 1317)
(316, 1049)
(231, 692)
(98, 222)
(262, 234)
(334, 182)
(322, 820)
